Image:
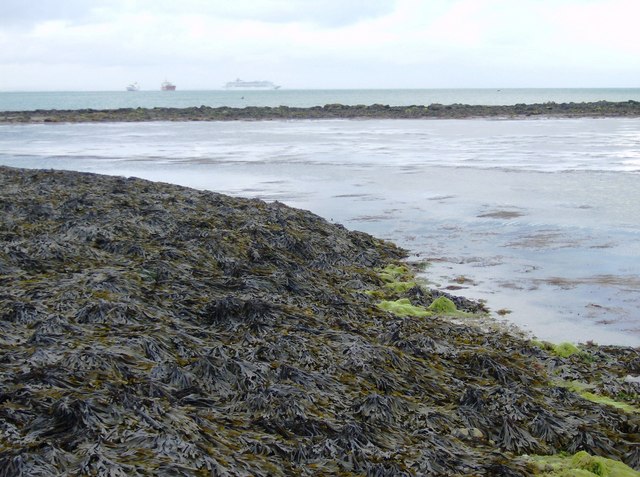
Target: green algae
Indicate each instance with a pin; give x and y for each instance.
(585, 391)
(397, 278)
(564, 350)
(400, 287)
(403, 307)
(443, 305)
(398, 281)
(392, 272)
(581, 464)
(597, 398)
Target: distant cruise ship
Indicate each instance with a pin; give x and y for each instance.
(133, 87)
(239, 84)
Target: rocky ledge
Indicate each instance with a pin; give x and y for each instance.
(151, 329)
(330, 111)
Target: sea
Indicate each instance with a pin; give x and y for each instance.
(539, 218)
(29, 101)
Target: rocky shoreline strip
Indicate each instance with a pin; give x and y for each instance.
(152, 329)
(598, 109)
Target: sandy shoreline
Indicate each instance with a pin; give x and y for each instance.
(600, 109)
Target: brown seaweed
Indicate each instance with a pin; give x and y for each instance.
(151, 329)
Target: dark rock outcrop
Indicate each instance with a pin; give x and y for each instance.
(330, 111)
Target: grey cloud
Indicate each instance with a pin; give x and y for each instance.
(22, 13)
(330, 13)
(325, 13)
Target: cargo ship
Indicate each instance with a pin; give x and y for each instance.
(167, 86)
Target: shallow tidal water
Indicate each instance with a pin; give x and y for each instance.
(540, 218)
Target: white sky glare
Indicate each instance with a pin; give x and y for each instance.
(201, 44)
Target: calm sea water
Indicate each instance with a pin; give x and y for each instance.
(18, 101)
(540, 218)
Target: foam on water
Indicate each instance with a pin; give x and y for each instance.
(538, 217)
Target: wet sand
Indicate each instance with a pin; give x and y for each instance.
(518, 213)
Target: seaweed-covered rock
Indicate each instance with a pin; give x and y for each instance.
(596, 109)
(151, 329)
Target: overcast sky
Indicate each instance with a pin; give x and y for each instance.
(201, 44)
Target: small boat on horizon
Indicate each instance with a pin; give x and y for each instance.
(167, 86)
(133, 87)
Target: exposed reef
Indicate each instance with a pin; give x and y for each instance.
(152, 329)
(330, 111)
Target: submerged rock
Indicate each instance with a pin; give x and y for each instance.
(147, 328)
